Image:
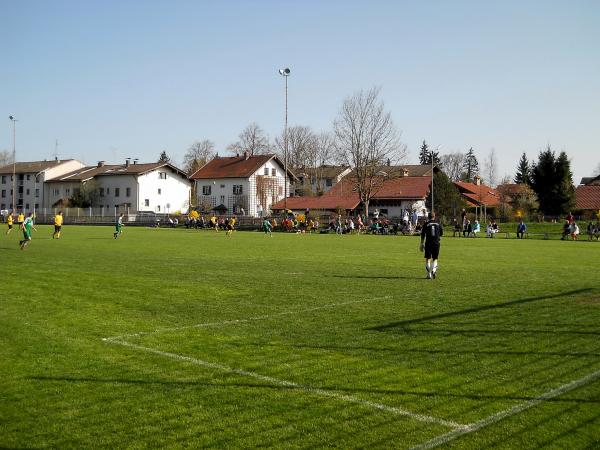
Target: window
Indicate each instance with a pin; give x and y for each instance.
(222, 199)
(3, 194)
(37, 179)
(147, 202)
(158, 208)
(3, 206)
(21, 177)
(159, 191)
(28, 177)
(3, 181)
(107, 192)
(206, 189)
(26, 205)
(27, 192)
(67, 191)
(222, 186)
(101, 192)
(37, 193)
(37, 206)
(273, 172)
(162, 175)
(117, 192)
(20, 191)
(328, 182)
(237, 189)
(128, 192)
(56, 191)
(266, 171)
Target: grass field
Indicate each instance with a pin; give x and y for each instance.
(175, 338)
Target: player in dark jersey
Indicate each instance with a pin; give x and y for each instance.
(430, 242)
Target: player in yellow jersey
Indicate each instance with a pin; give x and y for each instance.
(20, 219)
(9, 222)
(58, 221)
(230, 226)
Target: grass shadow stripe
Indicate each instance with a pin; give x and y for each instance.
(291, 385)
(494, 418)
(247, 320)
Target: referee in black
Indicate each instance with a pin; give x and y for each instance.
(430, 242)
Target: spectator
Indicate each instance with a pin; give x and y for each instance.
(476, 228)
(521, 229)
(574, 231)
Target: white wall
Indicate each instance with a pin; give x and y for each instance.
(174, 191)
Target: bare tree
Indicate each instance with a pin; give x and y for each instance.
(198, 154)
(366, 139)
(252, 139)
(302, 143)
(491, 165)
(6, 158)
(453, 164)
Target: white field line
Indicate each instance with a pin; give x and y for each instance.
(445, 438)
(249, 319)
(288, 384)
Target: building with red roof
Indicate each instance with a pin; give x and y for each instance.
(246, 184)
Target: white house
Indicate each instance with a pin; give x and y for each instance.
(242, 184)
(27, 186)
(320, 179)
(131, 187)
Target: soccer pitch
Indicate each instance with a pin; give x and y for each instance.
(185, 338)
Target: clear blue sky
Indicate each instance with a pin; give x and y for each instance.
(115, 79)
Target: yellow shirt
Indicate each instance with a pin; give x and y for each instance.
(21, 218)
(58, 219)
(9, 219)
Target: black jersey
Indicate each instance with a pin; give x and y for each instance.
(432, 231)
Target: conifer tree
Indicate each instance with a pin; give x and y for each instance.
(523, 175)
(471, 166)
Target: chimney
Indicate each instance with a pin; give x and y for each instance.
(127, 162)
(135, 160)
(477, 180)
(100, 163)
(246, 155)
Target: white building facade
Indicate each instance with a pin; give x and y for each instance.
(244, 185)
(28, 185)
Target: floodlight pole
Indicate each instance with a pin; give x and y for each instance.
(14, 122)
(285, 73)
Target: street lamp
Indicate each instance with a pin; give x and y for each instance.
(285, 73)
(437, 149)
(14, 121)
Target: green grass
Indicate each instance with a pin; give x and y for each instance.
(340, 319)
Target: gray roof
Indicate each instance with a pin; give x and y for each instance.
(31, 167)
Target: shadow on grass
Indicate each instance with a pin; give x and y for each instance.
(376, 277)
(353, 390)
(401, 323)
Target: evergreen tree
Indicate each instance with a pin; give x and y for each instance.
(447, 201)
(164, 158)
(552, 181)
(523, 175)
(425, 156)
(470, 167)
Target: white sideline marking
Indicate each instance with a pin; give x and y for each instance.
(249, 319)
(444, 438)
(289, 384)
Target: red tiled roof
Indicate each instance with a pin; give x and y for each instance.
(86, 173)
(343, 194)
(232, 167)
(475, 194)
(32, 166)
(587, 197)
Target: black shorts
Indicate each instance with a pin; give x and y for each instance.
(10, 226)
(57, 228)
(432, 251)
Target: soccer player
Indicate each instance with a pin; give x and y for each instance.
(118, 226)
(58, 221)
(20, 219)
(26, 226)
(9, 222)
(430, 242)
(230, 226)
(266, 225)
